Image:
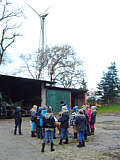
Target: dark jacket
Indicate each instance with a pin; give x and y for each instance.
(93, 117)
(33, 116)
(64, 119)
(38, 118)
(86, 116)
(49, 121)
(81, 123)
(18, 115)
(87, 132)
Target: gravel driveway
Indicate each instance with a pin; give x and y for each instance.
(104, 145)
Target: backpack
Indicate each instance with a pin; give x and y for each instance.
(49, 122)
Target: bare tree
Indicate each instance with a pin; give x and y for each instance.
(8, 27)
(64, 67)
(71, 75)
(35, 64)
(58, 63)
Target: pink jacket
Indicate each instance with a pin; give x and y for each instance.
(89, 113)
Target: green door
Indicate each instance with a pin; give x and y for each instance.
(55, 96)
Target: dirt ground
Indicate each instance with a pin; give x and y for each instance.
(104, 145)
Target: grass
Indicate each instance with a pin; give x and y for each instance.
(109, 108)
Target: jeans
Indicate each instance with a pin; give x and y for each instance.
(64, 131)
(81, 136)
(17, 125)
(39, 131)
(48, 135)
(33, 125)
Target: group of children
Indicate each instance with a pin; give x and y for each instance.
(44, 123)
(83, 123)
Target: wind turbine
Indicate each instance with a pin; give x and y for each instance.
(42, 17)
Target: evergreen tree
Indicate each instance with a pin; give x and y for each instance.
(109, 84)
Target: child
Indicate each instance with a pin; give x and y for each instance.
(87, 131)
(38, 127)
(88, 111)
(48, 125)
(43, 112)
(64, 123)
(93, 119)
(72, 120)
(33, 119)
(81, 127)
(18, 120)
(62, 104)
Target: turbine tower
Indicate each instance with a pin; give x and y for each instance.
(42, 17)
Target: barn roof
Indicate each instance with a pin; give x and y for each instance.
(18, 87)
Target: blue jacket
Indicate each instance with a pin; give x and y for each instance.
(41, 117)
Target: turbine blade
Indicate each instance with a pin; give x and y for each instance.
(32, 8)
(48, 8)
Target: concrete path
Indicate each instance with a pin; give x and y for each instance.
(104, 145)
(15, 147)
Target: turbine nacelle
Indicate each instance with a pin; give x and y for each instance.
(43, 15)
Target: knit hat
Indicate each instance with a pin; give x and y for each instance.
(49, 109)
(93, 107)
(75, 108)
(64, 107)
(40, 108)
(18, 108)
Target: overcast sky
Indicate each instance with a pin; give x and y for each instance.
(92, 27)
